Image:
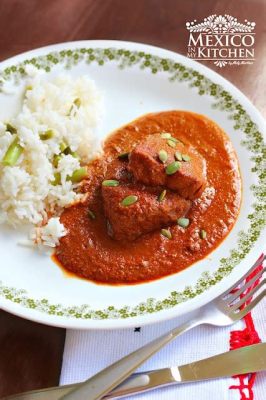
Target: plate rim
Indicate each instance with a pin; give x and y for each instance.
(192, 304)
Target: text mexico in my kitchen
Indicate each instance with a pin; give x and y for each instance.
(223, 40)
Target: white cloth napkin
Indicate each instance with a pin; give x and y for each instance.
(87, 352)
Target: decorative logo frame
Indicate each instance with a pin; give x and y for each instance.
(223, 40)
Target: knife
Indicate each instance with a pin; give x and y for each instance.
(241, 361)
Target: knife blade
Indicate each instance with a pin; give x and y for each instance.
(244, 360)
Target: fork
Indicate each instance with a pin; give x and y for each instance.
(228, 308)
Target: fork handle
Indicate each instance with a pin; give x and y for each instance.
(106, 380)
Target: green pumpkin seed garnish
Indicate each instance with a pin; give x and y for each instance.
(74, 154)
(165, 135)
(13, 153)
(63, 146)
(110, 182)
(203, 234)
(172, 168)
(68, 151)
(183, 222)
(91, 214)
(123, 156)
(171, 143)
(163, 156)
(166, 233)
(178, 156)
(56, 159)
(78, 175)
(161, 196)
(185, 157)
(77, 102)
(57, 179)
(129, 200)
(10, 128)
(174, 139)
(49, 134)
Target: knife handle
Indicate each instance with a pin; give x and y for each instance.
(137, 383)
(106, 380)
(143, 382)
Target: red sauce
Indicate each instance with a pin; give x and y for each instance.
(89, 252)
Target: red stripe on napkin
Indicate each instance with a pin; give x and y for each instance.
(242, 338)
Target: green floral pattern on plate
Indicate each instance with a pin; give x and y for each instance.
(223, 101)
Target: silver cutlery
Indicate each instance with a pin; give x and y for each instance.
(244, 360)
(226, 309)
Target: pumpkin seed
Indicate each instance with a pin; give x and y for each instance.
(185, 157)
(162, 195)
(13, 153)
(110, 182)
(91, 214)
(163, 156)
(74, 154)
(63, 146)
(129, 200)
(178, 156)
(172, 168)
(183, 222)
(77, 102)
(10, 128)
(166, 233)
(123, 156)
(171, 143)
(56, 160)
(203, 234)
(174, 139)
(165, 135)
(57, 179)
(49, 134)
(78, 175)
(68, 151)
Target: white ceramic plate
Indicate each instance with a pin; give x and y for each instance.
(137, 79)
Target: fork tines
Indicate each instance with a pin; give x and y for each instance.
(240, 299)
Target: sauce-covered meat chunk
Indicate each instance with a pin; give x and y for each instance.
(143, 252)
(161, 159)
(133, 209)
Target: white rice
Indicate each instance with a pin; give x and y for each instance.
(26, 192)
(48, 234)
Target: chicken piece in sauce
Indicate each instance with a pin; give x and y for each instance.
(150, 163)
(133, 209)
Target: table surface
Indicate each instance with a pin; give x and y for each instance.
(30, 353)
